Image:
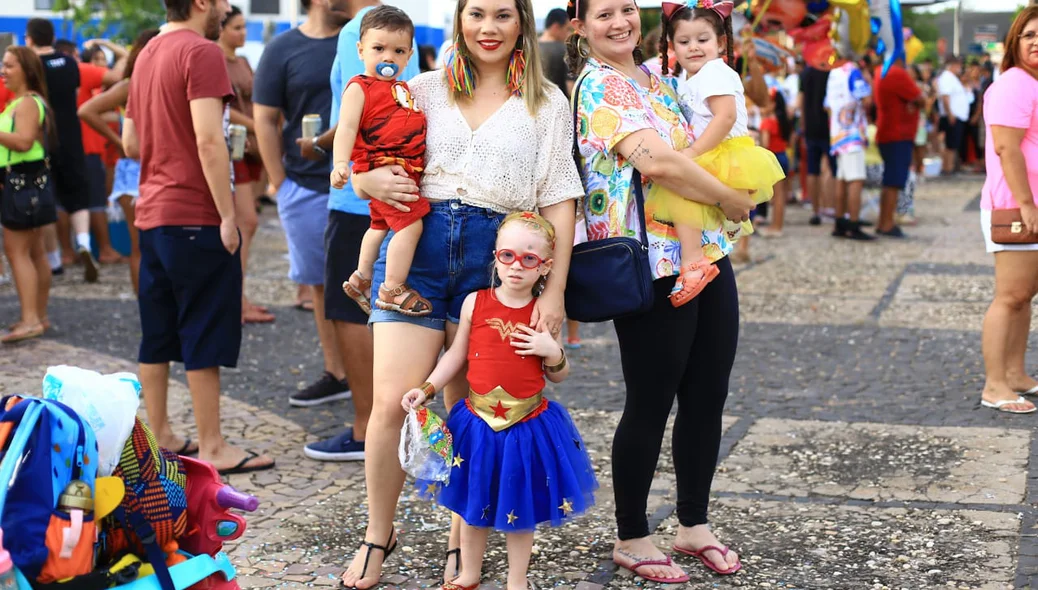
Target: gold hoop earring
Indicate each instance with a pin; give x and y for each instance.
(583, 47)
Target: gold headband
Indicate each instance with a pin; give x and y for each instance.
(534, 218)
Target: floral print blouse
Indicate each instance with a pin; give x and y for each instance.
(611, 106)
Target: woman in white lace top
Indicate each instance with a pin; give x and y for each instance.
(495, 149)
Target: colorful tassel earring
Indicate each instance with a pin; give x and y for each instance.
(459, 71)
(517, 70)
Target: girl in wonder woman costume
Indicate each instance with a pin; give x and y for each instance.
(518, 458)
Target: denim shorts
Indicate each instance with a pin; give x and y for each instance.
(454, 257)
(127, 179)
(304, 215)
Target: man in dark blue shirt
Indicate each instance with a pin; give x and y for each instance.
(292, 82)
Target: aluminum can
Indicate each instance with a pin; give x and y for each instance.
(238, 133)
(311, 126)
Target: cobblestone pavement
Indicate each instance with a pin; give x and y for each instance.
(855, 453)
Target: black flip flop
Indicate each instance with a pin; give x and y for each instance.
(186, 450)
(241, 468)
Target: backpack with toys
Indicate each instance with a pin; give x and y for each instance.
(131, 521)
(49, 514)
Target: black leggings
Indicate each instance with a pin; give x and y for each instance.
(666, 352)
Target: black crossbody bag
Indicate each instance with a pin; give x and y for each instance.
(27, 200)
(608, 278)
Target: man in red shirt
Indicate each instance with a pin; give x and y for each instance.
(190, 271)
(898, 100)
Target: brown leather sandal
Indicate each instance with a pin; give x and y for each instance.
(359, 295)
(413, 305)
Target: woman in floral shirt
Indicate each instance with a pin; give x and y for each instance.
(627, 119)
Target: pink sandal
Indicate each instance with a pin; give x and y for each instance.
(688, 286)
(701, 555)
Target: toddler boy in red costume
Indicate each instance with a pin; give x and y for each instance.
(379, 125)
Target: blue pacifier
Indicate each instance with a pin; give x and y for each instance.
(388, 69)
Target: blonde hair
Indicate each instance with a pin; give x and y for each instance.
(535, 85)
(533, 221)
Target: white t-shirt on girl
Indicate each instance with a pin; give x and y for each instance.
(715, 78)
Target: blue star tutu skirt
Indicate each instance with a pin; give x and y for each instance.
(532, 472)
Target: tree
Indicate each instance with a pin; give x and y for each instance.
(923, 25)
(119, 20)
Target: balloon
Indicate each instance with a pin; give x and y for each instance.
(913, 47)
(821, 55)
(818, 50)
(780, 14)
(817, 6)
(886, 19)
(853, 30)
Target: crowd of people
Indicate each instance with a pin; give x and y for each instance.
(402, 174)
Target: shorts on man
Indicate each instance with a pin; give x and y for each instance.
(850, 166)
(897, 163)
(190, 298)
(816, 149)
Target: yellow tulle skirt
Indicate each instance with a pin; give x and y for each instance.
(739, 164)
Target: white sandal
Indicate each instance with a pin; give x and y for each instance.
(1000, 405)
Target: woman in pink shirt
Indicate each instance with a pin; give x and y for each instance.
(1011, 113)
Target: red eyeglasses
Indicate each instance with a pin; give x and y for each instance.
(528, 260)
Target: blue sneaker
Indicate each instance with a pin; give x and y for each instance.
(340, 447)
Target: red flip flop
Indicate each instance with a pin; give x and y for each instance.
(701, 555)
(668, 562)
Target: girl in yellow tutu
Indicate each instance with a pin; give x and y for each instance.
(711, 96)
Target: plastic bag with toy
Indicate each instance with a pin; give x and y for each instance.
(108, 403)
(426, 446)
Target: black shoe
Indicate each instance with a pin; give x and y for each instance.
(894, 232)
(57, 272)
(815, 220)
(841, 228)
(91, 267)
(864, 223)
(854, 232)
(324, 390)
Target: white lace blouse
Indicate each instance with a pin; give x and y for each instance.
(512, 162)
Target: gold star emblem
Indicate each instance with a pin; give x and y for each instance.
(512, 517)
(566, 507)
(431, 489)
(458, 460)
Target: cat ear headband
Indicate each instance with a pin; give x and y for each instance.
(723, 8)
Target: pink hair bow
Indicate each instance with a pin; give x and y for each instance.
(722, 7)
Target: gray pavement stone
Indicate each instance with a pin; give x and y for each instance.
(855, 454)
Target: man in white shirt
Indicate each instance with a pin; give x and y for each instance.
(954, 107)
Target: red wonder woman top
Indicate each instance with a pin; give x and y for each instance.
(392, 129)
(492, 359)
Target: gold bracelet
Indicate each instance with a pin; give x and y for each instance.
(559, 365)
(429, 390)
